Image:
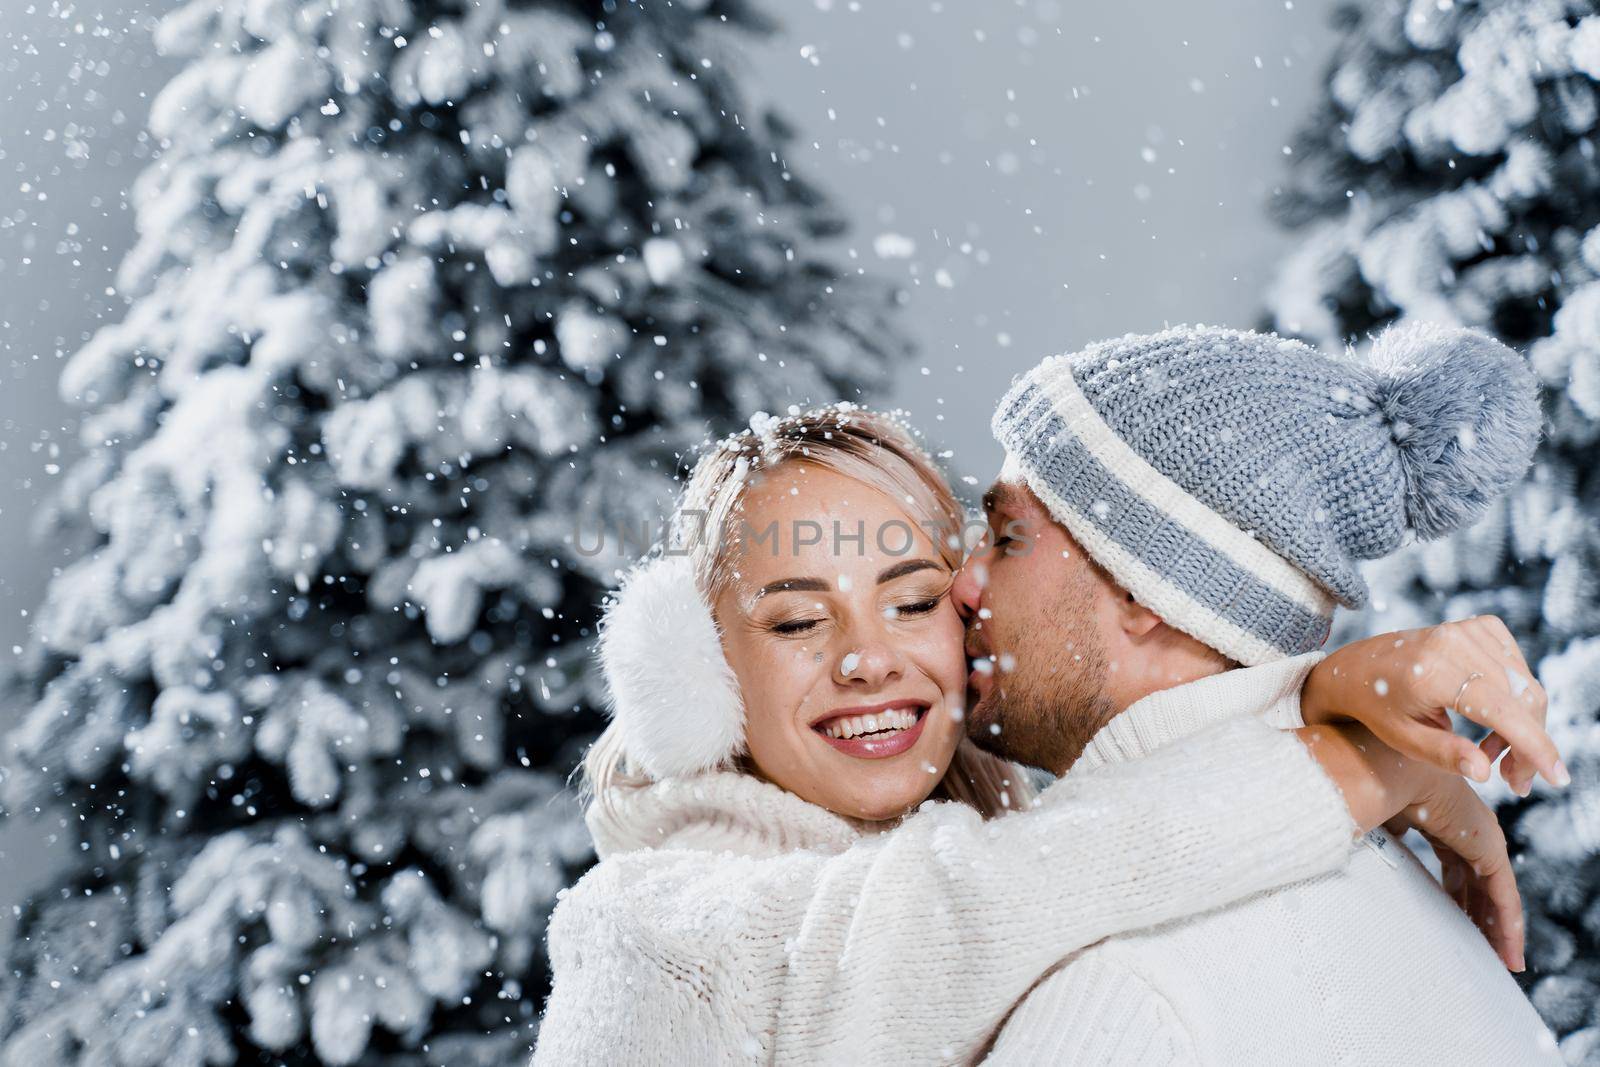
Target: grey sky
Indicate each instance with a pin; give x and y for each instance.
(1076, 170)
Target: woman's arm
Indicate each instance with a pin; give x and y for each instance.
(919, 941)
(912, 945)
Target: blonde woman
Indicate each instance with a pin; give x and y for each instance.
(771, 884)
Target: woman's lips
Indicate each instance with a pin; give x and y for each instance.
(880, 745)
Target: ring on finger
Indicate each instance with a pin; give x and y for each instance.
(1455, 705)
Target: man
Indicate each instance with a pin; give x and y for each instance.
(1175, 520)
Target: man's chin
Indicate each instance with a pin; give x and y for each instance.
(983, 720)
(985, 715)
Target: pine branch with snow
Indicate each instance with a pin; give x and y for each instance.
(426, 295)
(1450, 174)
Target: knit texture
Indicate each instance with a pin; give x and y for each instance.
(1171, 715)
(1369, 964)
(1101, 1013)
(732, 922)
(1233, 480)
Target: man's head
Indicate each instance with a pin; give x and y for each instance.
(1203, 497)
(1059, 647)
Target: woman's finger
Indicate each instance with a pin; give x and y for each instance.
(1481, 910)
(1453, 876)
(1490, 633)
(1518, 774)
(1504, 914)
(1461, 823)
(1493, 744)
(1437, 746)
(1491, 704)
(1505, 660)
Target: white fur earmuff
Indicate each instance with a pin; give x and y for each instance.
(671, 690)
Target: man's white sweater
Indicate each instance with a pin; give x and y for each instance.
(1368, 964)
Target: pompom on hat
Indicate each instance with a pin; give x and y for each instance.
(1463, 410)
(1232, 481)
(670, 689)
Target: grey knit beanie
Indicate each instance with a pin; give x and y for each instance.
(1231, 480)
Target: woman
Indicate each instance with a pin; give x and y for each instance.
(771, 885)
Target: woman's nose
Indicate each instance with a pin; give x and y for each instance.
(868, 659)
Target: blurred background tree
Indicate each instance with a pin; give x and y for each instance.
(429, 302)
(1450, 173)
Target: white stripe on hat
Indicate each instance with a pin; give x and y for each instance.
(1176, 607)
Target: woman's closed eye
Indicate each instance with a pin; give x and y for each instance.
(913, 608)
(792, 627)
(791, 616)
(919, 597)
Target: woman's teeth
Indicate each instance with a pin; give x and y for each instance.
(883, 722)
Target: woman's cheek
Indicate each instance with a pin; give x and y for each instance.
(784, 675)
(752, 669)
(942, 652)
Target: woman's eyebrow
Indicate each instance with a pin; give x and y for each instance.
(793, 585)
(905, 567)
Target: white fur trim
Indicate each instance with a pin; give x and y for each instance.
(670, 687)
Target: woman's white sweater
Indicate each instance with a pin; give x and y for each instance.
(731, 921)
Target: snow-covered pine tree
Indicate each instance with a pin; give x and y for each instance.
(423, 289)
(1450, 173)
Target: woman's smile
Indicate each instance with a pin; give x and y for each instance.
(875, 731)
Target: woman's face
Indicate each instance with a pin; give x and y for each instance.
(848, 655)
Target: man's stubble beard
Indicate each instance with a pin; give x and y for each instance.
(1054, 699)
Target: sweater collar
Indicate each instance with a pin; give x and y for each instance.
(1168, 715)
(720, 811)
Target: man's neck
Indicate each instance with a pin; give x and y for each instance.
(1168, 716)
(1161, 675)
(1125, 689)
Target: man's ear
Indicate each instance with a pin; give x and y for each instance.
(1135, 619)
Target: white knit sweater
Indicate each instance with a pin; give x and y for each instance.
(730, 921)
(1368, 964)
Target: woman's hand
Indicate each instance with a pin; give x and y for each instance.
(1403, 686)
(1382, 787)
(1473, 860)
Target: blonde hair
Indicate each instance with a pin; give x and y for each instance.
(869, 447)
